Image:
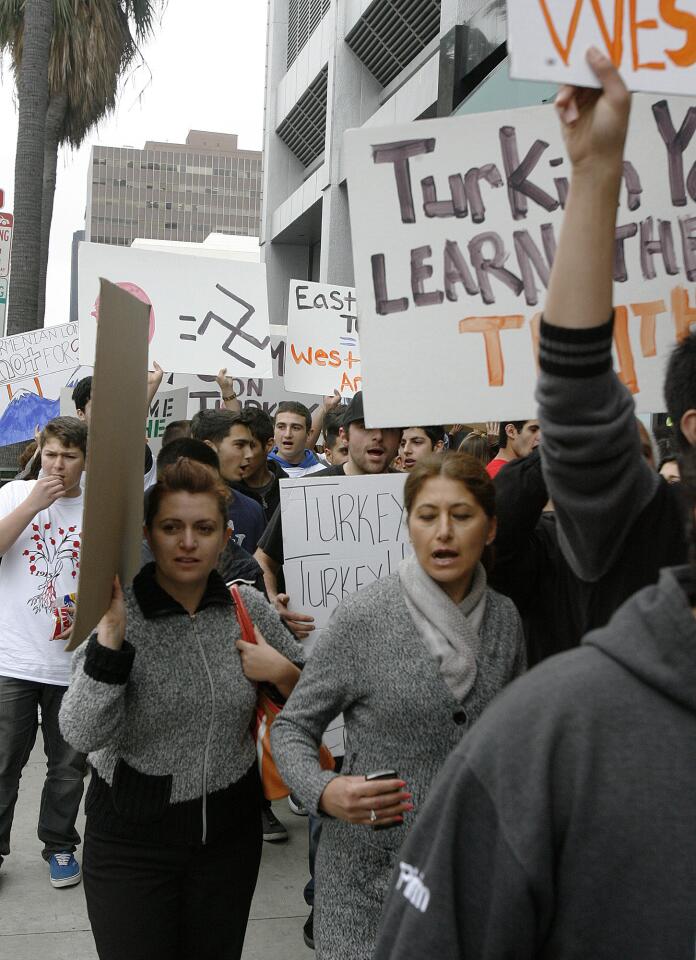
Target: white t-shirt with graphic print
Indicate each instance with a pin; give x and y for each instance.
(36, 573)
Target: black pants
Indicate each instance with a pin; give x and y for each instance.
(62, 789)
(171, 901)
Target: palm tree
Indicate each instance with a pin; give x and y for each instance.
(32, 93)
(91, 47)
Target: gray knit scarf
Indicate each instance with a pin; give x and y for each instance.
(449, 631)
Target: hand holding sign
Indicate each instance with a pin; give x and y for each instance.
(595, 122)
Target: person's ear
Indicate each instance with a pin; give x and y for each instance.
(211, 445)
(342, 432)
(492, 530)
(269, 445)
(440, 445)
(511, 431)
(687, 425)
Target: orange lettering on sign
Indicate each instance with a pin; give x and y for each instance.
(490, 327)
(682, 314)
(636, 25)
(613, 44)
(535, 330)
(627, 368)
(686, 55)
(648, 313)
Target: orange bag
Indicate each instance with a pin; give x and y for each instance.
(269, 703)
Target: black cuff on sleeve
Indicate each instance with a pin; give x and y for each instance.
(106, 665)
(576, 353)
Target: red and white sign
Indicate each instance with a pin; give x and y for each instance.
(2, 198)
(6, 224)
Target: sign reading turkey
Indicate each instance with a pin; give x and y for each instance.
(652, 42)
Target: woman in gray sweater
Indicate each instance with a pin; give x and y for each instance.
(161, 697)
(411, 661)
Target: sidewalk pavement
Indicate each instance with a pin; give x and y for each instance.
(40, 923)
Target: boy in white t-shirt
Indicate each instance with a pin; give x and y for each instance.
(40, 536)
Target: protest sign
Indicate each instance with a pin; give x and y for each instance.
(653, 43)
(253, 393)
(340, 534)
(34, 366)
(166, 407)
(205, 312)
(323, 352)
(112, 525)
(454, 226)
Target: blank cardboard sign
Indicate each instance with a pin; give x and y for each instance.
(113, 518)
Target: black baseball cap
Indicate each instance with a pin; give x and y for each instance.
(353, 410)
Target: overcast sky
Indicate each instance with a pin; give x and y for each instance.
(205, 70)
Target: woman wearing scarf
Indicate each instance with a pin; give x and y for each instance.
(411, 661)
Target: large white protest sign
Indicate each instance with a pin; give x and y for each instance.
(454, 226)
(340, 534)
(323, 352)
(205, 312)
(253, 392)
(652, 42)
(34, 366)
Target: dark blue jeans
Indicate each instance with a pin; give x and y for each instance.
(62, 790)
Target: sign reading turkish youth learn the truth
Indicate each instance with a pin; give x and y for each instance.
(652, 42)
(323, 352)
(205, 313)
(455, 224)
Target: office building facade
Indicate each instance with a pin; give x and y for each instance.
(174, 191)
(336, 64)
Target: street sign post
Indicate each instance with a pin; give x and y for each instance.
(4, 285)
(6, 225)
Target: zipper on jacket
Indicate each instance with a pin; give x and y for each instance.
(210, 732)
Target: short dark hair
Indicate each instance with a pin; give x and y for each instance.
(517, 424)
(434, 434)
(293, 406)
(69, 431)
(189, 476)
(680, 385)
(189, 448)
(214, 425)
(260, 424)
(175, 430)
(333, 421)
(82, 393)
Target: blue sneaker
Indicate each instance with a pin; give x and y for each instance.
(65, 870)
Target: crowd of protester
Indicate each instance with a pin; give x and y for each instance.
(471, 816)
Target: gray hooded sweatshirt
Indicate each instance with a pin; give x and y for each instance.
(563, 826)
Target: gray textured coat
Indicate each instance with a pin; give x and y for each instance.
(371, 664)
(174, 702)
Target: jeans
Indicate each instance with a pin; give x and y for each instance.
(174, 901)
(62, 790)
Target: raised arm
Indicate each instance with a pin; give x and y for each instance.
(92, 709)
(230, 400)
(591, 455)
(330, 403)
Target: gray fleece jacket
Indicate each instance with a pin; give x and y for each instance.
(371, 664)
(165, 720)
